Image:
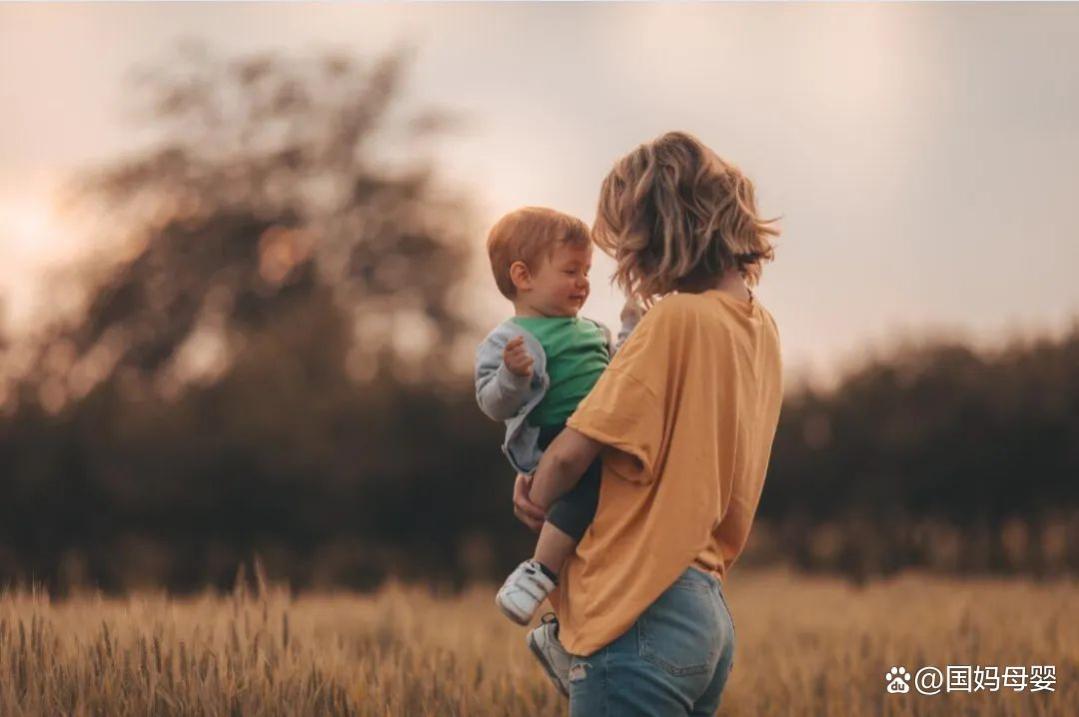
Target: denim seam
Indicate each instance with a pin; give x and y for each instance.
(734, 630)
(730, 614)
(606, 684)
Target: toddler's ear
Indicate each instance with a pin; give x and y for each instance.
(521, 276)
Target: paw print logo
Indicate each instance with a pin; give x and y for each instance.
(897, 679)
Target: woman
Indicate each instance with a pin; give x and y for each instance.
(684, 417)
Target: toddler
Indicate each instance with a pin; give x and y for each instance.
(534, 368)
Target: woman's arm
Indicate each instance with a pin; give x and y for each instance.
(562, 465)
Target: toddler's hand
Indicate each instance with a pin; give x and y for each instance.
(517, 358)
(632, 311)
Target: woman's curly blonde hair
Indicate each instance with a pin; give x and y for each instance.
(675, 217)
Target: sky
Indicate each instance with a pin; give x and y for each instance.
(924, 158)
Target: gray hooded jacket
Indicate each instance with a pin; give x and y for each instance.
(505, 396)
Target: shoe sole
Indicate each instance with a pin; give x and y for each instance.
(546, 665)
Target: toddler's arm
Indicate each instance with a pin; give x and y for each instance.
(503, 377)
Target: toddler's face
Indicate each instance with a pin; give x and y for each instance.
(560, 286)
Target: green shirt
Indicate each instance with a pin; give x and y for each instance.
(577, 353)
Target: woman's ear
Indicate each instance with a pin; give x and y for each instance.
(521, 276)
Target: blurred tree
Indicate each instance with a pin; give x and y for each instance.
(265, 364)
(265, 197)
(265, 367)
(935, 435)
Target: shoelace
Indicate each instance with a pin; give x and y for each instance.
(548, 619)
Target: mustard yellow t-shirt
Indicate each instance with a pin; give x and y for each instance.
(688, 410)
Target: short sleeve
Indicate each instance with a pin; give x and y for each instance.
(622, 414)
(626, 409)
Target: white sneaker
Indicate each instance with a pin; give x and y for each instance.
(543, 641)
(526, 587)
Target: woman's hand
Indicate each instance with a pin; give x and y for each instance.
(526, 511)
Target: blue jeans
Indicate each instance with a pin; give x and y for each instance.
(673, 661)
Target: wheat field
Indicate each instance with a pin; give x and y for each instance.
(805, 646)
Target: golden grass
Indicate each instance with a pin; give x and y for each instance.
(806, 646)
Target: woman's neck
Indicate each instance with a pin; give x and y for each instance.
(731, 283)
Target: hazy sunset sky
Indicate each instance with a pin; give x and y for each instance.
(925, 158)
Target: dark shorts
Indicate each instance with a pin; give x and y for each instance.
(574, 511)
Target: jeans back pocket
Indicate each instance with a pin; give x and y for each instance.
(680, 631)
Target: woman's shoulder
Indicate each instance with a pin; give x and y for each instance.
(664, 320)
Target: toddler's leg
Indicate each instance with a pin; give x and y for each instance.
(552, 548)
(567, 520)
